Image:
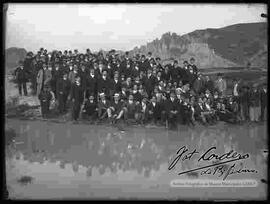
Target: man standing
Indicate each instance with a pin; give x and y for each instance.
(208, 84)
(244, 103)
(263, 99)
(91, 83)
(172, 109)
(77, 98)
(45, 98)
(194, 69)
(40, 78)
(103, 84)
(21, 77)
(221, 85)
(62, 91)
(236, 89)
(254, 105)
(175, 72)
(116, 83)
(149, 83)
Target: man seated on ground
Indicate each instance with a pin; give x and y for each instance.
(103, 108)
(124, 94)
(136, 94)
(129, 110)
(234, 108)
(208, 95)
(210, 112)
(116, 108)
(90, 109)
(187, 112)
(200, 112)
(141, 111)
(154, 111)
(224, 114)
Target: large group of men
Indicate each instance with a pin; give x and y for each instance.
(137, 89)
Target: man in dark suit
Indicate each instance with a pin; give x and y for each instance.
(63, 86)
(77, 97)
(194, 69)
(116, 84)
(56, 76)
(185, 74)
(166, 74)
(144, 65)
(172, 110)
(83, 73)
(174, 72)
(263, 99)
(45, 98)
(91, 84)
(159, 66)
(154, 110)
(149, 83)
(244, 100)
(103, 84)
(21, 77)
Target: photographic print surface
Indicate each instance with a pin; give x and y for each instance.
(136, 101)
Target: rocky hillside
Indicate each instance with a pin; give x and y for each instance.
(13, 55)
(232, 46)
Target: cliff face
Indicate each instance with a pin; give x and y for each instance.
(13, 55)
(231, 46)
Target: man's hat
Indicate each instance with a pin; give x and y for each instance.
(116, 95)
(157, 58)
(103, 70)
(46, 86)
(219, 74)
(149, 53)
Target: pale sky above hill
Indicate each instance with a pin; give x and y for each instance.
(118, 26)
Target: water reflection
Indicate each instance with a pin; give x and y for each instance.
(101, 150)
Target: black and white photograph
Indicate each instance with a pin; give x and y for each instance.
(118, 101)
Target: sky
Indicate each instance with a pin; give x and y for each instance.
(115, 26)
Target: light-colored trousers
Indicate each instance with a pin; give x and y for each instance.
(254, 113)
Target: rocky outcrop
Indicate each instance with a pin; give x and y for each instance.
(231, 46)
